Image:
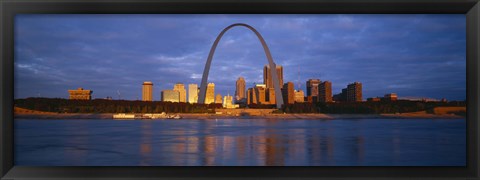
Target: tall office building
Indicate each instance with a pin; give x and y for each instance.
(251, 96)
(218, 99)
(80, 94)
(267, 76)
(240, 89)
(147, 91)
(312, 88)
(192, 93)
(325, 92)
(354, 92)
(210, 94)
(260, 93)
(270, 96)
(180, 87)
(288, 93)
(170, 96)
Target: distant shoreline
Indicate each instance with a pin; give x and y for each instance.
(417, 115)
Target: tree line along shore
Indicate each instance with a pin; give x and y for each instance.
(101, 108)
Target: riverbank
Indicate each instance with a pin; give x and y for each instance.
(266, 116)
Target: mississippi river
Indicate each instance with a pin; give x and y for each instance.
(240, 142)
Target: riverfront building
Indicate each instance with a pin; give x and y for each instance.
(218, 99)
(180, 87)
(228, 102)
(240, 90)
(390, 97)
(325, 92)
(170, 96)
(251, 97)
(299, 96)
(354, 92)
(80, 94)
(288, 93)
(267, 76)
(147, 91)
(260, 93)
(210, 94)
(192, 93)
(312, 88)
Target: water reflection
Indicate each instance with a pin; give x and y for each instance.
(244, 142)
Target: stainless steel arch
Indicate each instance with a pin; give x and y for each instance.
(203, 86)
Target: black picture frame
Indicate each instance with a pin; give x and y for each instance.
(9, 8)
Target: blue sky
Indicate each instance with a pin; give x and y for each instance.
(411, 55)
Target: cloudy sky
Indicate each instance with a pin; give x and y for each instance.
(411, 55)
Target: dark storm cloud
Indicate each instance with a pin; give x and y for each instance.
(412, 55)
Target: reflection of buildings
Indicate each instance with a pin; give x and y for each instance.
(80, 94)
(182, 92)
(147, 91)
(170, 95)
(210, 94)
(240, 90)
(192, 93)
(288, 93)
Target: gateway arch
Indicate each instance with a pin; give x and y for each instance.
(203, 86)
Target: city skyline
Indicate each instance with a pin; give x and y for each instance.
(416, 61)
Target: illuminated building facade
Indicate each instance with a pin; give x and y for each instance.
(147, 91)
(240, 89)
(325, 92)
(210, 95)
(180, 87)
(288, 93)
(80, 94)
(354, 92)
(192, 93)
(312, 88)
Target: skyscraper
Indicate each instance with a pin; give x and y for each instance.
(240, 89)
(270, 96)
(192, 93)
(260, 93)
(181, 90)
(147, 89)
(210, 94)
(267, 76)
(354, 92)
(251, 96)
(325, 91)
(288, 93)
(312, 88)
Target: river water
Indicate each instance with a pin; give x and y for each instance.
(241, 142)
